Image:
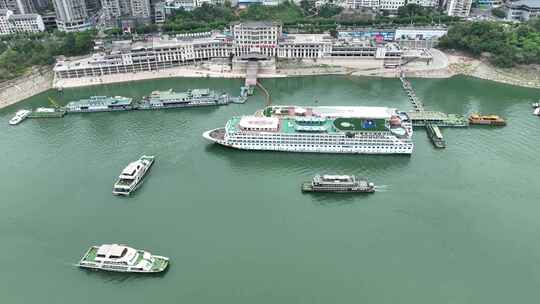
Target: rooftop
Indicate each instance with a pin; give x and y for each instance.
(111, 249)
(528, 3)
(306, 38)
(255, 122)
(356, 112)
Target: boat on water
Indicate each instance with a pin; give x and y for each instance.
(47, 113)
(121, 258)
(19, 116)
(338, 183)
(100, 104)
(537, 111)
(435, 135)
(365, 130)
(191, 98)
(492, 120)
(132, 175)
(535, 104)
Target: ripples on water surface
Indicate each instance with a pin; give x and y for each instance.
(458, 225)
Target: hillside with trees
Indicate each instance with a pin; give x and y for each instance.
(20, 52)
(505, 45)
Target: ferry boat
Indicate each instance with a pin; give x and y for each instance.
(100, 104)
(492, 120)
(366, 130)
(190, 98)
(132, 175)
(435, 135)
(19, 116)
(338, 183)
(121, 258)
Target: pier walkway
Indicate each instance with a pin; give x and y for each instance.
(429, 119)
(415, 100)
(251, 73)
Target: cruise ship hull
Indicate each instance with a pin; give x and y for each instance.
(218, 136)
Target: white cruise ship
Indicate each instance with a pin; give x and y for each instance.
(365, 130)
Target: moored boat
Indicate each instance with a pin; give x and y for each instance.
(190, 98)
(121, 258)
(363, 130)
(19, 116)
(133, 175)
(338, 183)
(435, 135)
(47, 113)
(100, 104)
(492, 120)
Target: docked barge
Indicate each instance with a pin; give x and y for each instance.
(191, 98)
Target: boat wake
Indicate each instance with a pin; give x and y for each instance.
(382, 188)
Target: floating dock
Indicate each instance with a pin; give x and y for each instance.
(421, 118)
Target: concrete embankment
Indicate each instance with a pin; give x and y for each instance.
(13, 91)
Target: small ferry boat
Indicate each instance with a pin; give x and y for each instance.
(190, 98)
(19, 116)
(435, 135)
(121, 258)
(100, 104)
(338, 183)
(132, 176)
(493, 120)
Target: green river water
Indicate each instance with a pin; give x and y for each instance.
(459, 225)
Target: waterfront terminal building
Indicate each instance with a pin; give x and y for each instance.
(260, 41)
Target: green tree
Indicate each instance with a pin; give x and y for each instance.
(497, 12)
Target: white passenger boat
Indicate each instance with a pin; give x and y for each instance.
(132, 176)
(537, 111)
(121, 258)
(366, 130)
(19, 116)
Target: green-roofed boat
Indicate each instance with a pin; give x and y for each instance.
(121, 258)
(365, 130)
(100, 104)
(191, 98)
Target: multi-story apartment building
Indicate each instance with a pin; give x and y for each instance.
(363, 3)
(522, 10)
(18, 6)
(425, 3)
(458, 8)
(11, 23)
(71, 15)
(256, 37)
(115, 10)
(391, 5)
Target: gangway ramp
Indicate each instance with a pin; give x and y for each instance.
(251, 73)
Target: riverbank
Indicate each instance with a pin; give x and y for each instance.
(36, 81)
(443, 65)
